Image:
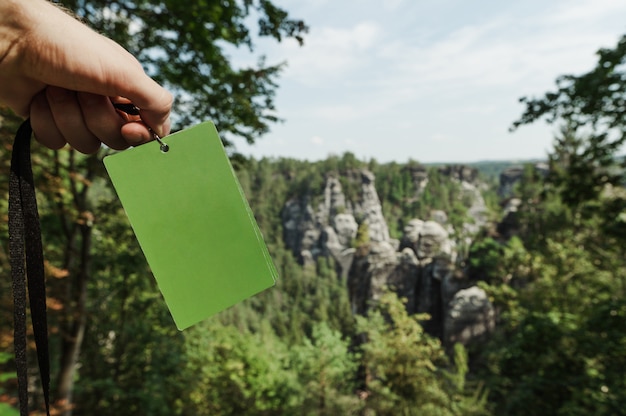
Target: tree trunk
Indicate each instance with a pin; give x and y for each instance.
(75, 330)
(77, 224)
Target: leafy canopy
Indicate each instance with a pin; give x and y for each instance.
(183, 44)
(596, 98)
(559, 347)
(586, 164)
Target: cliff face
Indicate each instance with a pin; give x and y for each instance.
(513, 175)
(423, 266)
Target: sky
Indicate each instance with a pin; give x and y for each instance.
(430, 81)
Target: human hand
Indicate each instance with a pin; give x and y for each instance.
(66, 77)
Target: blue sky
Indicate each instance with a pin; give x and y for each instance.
(432, 81)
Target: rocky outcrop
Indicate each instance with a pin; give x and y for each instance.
(419, 175)
(509, 225)
(508, 179)
(477, 209)
(337, 241)
(461, 173)
(370, 209)
(423, 271)
(300, 229)
(511, 176)
(470, 316)
(510, 202)
(422, 267)
(330, 229)
(371, 273)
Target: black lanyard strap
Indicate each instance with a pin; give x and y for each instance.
(26, 254)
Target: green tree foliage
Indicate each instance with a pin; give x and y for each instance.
(405, 367)
(557, 336)
(594, 99)
(547, 285)
(397, 192)
(134, 352)
(592, 108)
(327, 370)
(230, 372)
(5, 409)
(113, 345)
(402, 200)
(233, 372)
(485, 259)
(563, 282)
(186, 47)
(285, 351)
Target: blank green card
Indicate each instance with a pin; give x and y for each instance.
(193, 223)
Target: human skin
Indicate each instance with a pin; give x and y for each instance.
(66, 77)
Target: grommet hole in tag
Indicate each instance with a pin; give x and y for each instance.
(162, 145)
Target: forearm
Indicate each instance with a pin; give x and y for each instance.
(18, 19)
(13, 26)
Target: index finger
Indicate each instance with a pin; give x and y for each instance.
(72, 56)
(154, 102)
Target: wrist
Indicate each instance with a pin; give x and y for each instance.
(17, 22)
(14, 23)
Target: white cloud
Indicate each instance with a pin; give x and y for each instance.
(503, 53)
(439, 137)
(360, 36)
(391, 4)
(435, 73)
(336, 112)
(331, 53)
(577, 11)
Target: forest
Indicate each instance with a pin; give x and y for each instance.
(365, 317)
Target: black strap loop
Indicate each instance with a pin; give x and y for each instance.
(26, 254)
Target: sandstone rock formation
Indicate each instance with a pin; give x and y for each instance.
(511, 176)
(419, 174)
(422, 267)
(508, 178)
(509, 225)
(300, 229)
(470, 316)
(331, 228)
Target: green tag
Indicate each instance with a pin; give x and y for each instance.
(193, 223)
